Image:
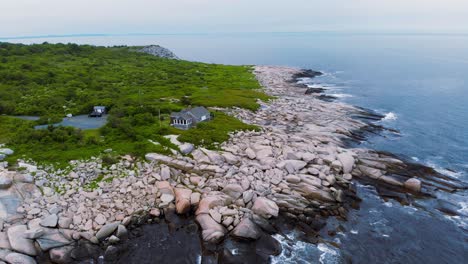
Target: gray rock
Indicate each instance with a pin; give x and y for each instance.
(122, 232)
(18, 242)
(107, 230)
(4, 241)
(186, 148)
(26, 178)
(250, 153)
(247, 196)
(17, 258)
(347, 161)
(5, 182)
(49, 221)
(233, 190)
(211, 231)
(215, 215)
(293, 179)
(4, 253)
(265, 208)
(52, 239)
(413, 184)
(100, 219)
(34, 211)
(64, 222)
(165, 173)
(113, 239)
(159, 51)
(6, 151)
(167, 198)
(2, 156)
(246, 229)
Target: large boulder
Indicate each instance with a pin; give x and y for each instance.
(19, 242)
(165, 173)
(265, 208)
(16, 258)
(246, 229)
(186, 148)
(314, 193)
(5, 182)
(182, 197)
(233, 190)
(347, 161)
(370, 172)
(107, 230)
(4, 241)
(210, 202)
(159, 51)
(250, 153)
(6, 151)
(230, 158)
(52, 238)
(292, 165)
(49, 221)
(214, 156)
(211, 231)
(413, 184)
(200, 157)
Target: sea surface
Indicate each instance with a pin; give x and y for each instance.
(419, 82)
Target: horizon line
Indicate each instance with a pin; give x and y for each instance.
(416, 33)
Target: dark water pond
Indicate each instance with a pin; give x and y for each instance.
(79, 121)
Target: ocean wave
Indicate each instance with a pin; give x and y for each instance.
(329, 254)
(340, 95)
(444, 171)
(390, 116)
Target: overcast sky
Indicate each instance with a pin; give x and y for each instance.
(44, 17)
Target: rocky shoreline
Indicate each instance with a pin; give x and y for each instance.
(299, 167)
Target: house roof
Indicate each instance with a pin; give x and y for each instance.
(199, 111)
(196, 112)
(181, 115)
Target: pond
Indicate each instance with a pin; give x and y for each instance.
(79, 121)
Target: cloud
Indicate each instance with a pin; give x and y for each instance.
(37, 17)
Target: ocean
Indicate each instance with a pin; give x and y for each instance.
(418, 81)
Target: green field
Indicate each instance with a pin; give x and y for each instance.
(52, 80)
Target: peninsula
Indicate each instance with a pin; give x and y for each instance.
(270, 151)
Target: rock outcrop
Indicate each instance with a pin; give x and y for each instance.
(159, 51)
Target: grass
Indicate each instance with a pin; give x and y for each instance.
(51, 80)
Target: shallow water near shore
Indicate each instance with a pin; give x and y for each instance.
(418, 83)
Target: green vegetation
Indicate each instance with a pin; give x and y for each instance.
(52, 80)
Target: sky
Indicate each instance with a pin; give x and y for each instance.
(57, 17)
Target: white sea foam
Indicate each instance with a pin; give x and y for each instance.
(443, 170)
(390, 116)
(291, 253)
(415, 158)
(340, 95)
(354, 232)
(464, 207)
(329, 254)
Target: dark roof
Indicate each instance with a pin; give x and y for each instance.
(181, 115)
(196, 112)
(199, 111)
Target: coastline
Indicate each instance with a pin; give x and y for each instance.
(299, 163)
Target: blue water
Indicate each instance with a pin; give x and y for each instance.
(421, 79)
